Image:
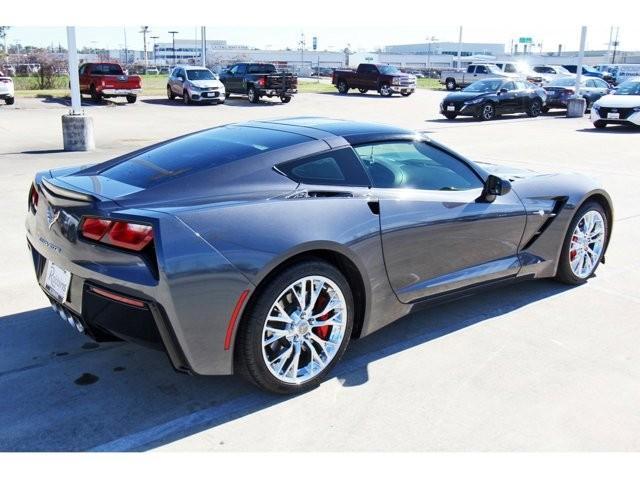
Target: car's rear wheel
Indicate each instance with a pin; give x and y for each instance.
(584, 244)
(297, 329)
(535, 108)
(132, 98)
(545, 109)
(252, 95)
(599, 124)
(363, 90)
(10, 100)
(95, 96)
(170, 94)
(450, 83)
(285, 98)
(343, 88)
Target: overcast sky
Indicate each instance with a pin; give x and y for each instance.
(365, 38)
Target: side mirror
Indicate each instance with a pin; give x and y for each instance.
(495, 186)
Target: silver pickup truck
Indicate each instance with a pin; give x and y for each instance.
(460, 77)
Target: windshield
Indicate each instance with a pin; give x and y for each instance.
(566, 82)
(200, 75)
(388, 70)
(543, 70)
(629, 88)
(261, 68)
(484, 86)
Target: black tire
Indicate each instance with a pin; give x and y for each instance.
(450, 116)
(132, 98)
(170, 94)
(599, 124)
(248, 351)
(95, 96)
(285, 99)
(564, 273)
(10, 100)
(252, 95)
(406, 93)
(227, 94)
(343, 88)
(363, 90)
(545, 109)
(535, 108)
(486, 112)
(450, 84)
(186, 99)
(384, 90)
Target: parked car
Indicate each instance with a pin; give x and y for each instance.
(622, 72)
(552, 72)
(524, 71)
(560, 90)
(107, 80)
(9, 70)
(486, 99)
(385, 79)
(169, 245)
(620, 108)
(590, 72)
(7, 92)
(257, 80)
(152, 71)
(165, 70)
(460, 78)
(195, 84)
(322, 72)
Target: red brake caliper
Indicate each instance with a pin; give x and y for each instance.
(573, 252)
(322, 331)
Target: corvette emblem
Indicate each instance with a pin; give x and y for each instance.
(52, 217)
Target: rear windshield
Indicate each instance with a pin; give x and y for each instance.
(106, 69)
(261, 69)
(198, 152)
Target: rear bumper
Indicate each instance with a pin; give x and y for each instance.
(121, 91)
(277, 92)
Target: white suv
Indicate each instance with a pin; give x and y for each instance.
(6, 89)
(195, 84)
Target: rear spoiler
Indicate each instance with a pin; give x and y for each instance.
(63, 196)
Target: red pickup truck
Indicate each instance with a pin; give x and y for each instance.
(105, 80)
(385, 79)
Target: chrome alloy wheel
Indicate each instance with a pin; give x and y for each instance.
(587, 242)
(487, 111)
(304, 329)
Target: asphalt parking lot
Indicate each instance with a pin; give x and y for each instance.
(534, 367)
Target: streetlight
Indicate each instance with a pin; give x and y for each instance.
(430, 40)
(155, 59)
(173, 41)
(144, 31)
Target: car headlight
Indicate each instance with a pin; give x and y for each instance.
(194, 88)
(474, 101)
(395, 81)
(595, 107)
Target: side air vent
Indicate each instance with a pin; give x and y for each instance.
(559, 204)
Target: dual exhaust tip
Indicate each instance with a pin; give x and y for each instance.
(67, 316)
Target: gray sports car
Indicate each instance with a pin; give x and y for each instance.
(265, 247)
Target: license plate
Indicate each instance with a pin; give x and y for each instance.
(57, 281)
(613, 116)
(551, 93)
(211, 95)
(451, 108)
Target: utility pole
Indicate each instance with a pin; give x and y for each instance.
(173, 48)
(430, 40)
(302, 46)
(203, 39)
(609, 45)
(144, 31)
(126, 52)
(615, 46)
(576, 104)
(459, 65)
(155, 59)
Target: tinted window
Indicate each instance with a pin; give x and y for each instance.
(106, 69)
(259, 68)
(337, 167)
(481, 69)
(415, 165)
(509, 86)
(198, 152)
(509, 68)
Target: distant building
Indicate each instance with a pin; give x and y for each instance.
(448, 48)
(190, 50)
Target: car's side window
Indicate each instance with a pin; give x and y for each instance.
(509, 68)
(335, 167)
(591, 83)
(509, 86)
(409, 164)
(600, 83)
(481, 69)
(470, 68)
(241, 70)
(82, 69)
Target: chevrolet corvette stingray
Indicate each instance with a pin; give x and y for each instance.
(265, 247)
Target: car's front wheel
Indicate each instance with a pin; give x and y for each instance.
(599, 124)
(385, 90)
(170, 94)
(487, 112)
(535, 108)
(584, 244)
(297, 328)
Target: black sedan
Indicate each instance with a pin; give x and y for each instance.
(266, 247)
(486, 99)
(561, 89)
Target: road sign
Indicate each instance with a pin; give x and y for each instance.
(527, 40)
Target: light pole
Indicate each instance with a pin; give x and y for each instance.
(302, 46)
(144, 31)
(155, 59)
(430, 40)
(173, 42)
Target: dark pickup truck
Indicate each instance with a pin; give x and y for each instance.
(385, 79)
(257, 80)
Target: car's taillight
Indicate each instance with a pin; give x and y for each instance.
(121, 234)
(33, 199)
(262, 81)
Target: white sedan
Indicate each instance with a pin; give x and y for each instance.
(620, 108)
(6, 89)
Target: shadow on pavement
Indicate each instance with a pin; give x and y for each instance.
(62, 392)
(232, 101)
(614, 129)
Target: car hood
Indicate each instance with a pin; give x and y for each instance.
(619, 101)
(510, 173)
(466, 96)
(206, 83)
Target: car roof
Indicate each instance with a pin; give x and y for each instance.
(354, 132)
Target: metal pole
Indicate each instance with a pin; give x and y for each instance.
(609, 45)
(74, 78)
(203, 39)
(155, 58)
(583, 39)
(460, 48)
(615, 46)
(173, 42)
